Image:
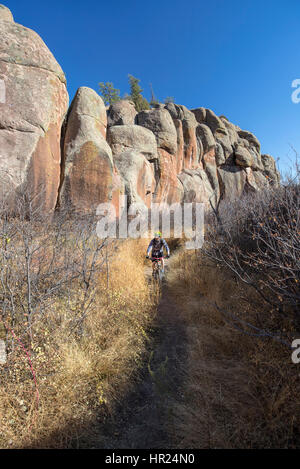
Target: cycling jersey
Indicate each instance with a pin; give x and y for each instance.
(157, 246)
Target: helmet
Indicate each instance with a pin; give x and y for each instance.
(157, 234)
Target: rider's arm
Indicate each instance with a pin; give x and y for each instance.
(166, 246)
(149, 247)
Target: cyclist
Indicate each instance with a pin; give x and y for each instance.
(157, 245)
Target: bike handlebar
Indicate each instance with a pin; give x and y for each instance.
(157, 258)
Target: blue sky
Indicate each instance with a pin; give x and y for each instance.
(238, 58)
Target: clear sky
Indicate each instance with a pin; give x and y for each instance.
(238, 58)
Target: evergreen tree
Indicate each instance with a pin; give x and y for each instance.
(109, 94)
(140, 102)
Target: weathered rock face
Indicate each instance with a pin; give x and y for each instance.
(161, 124)
(5, 14)
(200, 114)
(196, 186)
(87, 178)
(220, 157)
(137, 175)
(243, 157)
(31, 113)
(232, 181)
(206, 137)
(192, 152)
(159, 121)
(133, 148)
(169, 188)
(166, 154)
(269, 169)
(121, 113)
(215, 123)
(124, 137)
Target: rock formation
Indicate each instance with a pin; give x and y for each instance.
(31, 113)
(91, 155)
(87, 164)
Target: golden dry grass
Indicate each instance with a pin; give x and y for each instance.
(239, 391)
(80, 379)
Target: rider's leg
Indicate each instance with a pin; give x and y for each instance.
(162, 264)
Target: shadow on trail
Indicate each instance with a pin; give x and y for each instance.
(142, 417)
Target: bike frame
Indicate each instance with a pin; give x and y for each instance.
(157, 267)
(156, 259)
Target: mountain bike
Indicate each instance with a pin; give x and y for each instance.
(157, 271)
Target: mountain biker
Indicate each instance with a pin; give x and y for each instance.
(157, 245)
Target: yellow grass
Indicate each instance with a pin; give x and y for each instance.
(80, 379)
(239, 391)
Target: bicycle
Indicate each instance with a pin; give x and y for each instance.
(157, 271)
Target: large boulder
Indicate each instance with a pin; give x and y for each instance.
(122, 112)
(197, 187)
(168, 187)
(204, 134)
(166, 154)
(251, 183)
(5, 14)
(200, 114)
(122, 137)
(208, 117)
(180, 145)
(133, 148)
(231, 129)
(188, 151)
(174, 110)
(87, 178)
(243, 157)
(215, 124)
(32, 109)
(250, 138)
(232, 181)
(260, 180)
(138, 176)
(269, 169)
(88, 103)
(228, 149)
(178, 111)
(192, 151)
(220, 157)
(210, 168)
(160, 122)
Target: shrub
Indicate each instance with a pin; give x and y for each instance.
(80, 308)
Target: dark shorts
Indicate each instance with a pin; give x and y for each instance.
(156, 255)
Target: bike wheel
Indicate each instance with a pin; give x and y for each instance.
(160, 275)
(155, 274)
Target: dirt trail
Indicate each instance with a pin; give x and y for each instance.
(141, 421)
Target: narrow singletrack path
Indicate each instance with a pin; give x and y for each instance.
(143, 417)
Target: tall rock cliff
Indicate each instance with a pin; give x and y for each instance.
(33, 105)
(172, 154)
(166, 154)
